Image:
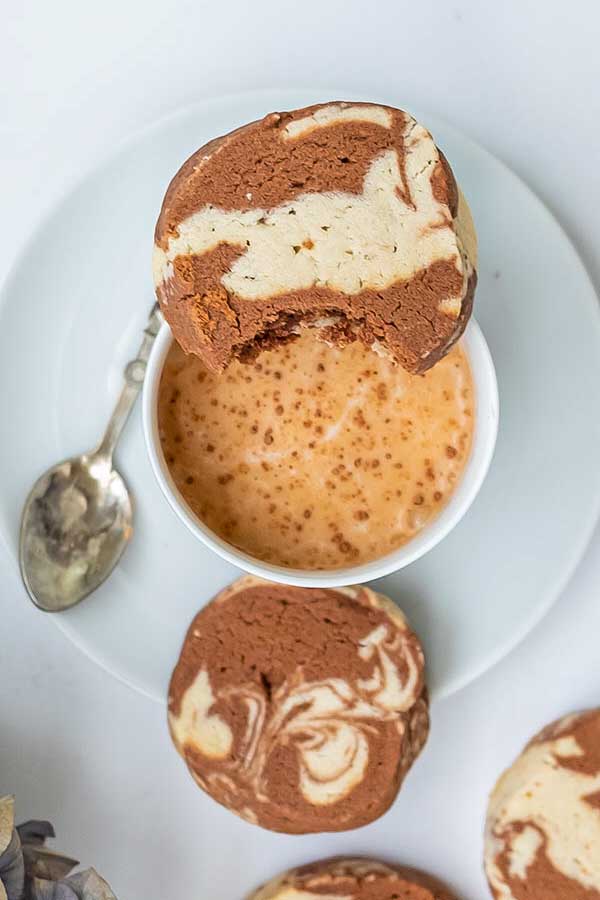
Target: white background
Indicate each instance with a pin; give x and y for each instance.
(75, 79)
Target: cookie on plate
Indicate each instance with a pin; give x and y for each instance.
(300, 709)
(543, 822)
(353, 879)
(342, 216)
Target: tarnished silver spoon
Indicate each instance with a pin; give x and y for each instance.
(77, 519)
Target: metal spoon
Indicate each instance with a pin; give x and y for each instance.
(77, 518)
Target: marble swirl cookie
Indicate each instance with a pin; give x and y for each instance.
(299, 709)
(543, 822)
(343, 216)
(353, 879)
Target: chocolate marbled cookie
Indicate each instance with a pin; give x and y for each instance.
(343, 216)
(543, 823)
(353, 879)
(299, 709)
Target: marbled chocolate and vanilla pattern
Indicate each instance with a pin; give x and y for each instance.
(353, 879)
(299, 709)
(343, 216)
(543, 823)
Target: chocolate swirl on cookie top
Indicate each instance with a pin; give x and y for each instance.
(301, 710)
(543, 824)
(342, 216)
(353, 879)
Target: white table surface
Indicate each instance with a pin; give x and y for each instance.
(522, 78)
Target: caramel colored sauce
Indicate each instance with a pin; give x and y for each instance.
(316, 457)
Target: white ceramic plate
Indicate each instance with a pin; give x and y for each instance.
(70, 317)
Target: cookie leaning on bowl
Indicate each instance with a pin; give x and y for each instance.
(543, 821)
(343, 216)
(299, 709)
(353, 879)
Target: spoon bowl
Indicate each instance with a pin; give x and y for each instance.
(77, 521)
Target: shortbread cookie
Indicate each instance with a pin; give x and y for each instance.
(300, 709)
(342, 216)
(543, 824)
(353, 879)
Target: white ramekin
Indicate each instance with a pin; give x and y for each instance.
(484, 440)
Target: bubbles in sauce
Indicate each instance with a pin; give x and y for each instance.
(312, 456)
